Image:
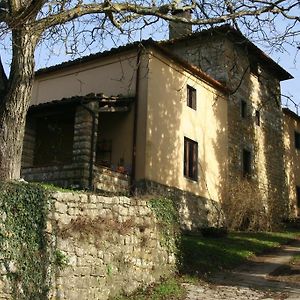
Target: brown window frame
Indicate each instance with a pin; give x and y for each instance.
(244, 109)
(297, 140)
(246, 162)
(190, 169)
(191, 98)
(257, 117)
(298, 196)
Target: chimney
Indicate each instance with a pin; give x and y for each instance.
(178, 29)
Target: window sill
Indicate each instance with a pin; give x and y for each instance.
(192, 180)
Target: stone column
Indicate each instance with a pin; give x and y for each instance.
(84, 144)
(29, 143)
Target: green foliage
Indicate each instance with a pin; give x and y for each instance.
(205, 255)
(295, 260)
(166, 290)
(23, 241)
(60, 260)
(168, 218)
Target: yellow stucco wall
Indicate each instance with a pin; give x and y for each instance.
(163, 118)
(112, 76)
(292, 160)
(169, 120)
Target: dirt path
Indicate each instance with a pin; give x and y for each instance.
(264, 277)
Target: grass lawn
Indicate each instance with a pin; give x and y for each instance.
(202, 256)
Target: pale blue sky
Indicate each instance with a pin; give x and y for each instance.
(287, 58)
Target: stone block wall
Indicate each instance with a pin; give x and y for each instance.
(86, 120)
(29, 144)
(62, 175)
(113, 245)
(195, 212)
(112, 181)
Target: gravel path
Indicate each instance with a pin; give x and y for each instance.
(251, 281)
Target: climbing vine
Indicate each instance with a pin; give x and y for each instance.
(168, 220)
(24, 251)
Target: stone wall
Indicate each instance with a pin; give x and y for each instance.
(61, 175)
(195, 212)
(112, 181)
(29, 143)
(113, 245)
(260, 90)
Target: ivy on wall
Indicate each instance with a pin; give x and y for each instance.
(168, 220)
(24, 252)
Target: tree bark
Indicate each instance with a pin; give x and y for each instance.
(15, 103)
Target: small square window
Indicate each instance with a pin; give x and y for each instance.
(297, 140)
(257, 117)
(243, 109)
(246, 162)
(190, 159)
(191, 97)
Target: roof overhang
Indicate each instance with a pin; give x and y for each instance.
(239, 39)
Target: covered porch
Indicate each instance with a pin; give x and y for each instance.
(82, 142)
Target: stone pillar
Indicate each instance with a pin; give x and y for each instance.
(29, 143)
(85, 134)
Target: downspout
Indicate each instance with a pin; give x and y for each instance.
(91, 162)
(136, 106)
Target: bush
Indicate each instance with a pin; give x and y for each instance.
(247, 208)
(214, 232)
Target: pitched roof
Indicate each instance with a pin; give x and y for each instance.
(291, 114)
(135, 46)
(230, 32)
(240, 39)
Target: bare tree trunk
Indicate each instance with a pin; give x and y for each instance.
(15, 103)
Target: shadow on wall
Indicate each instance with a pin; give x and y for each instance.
(292, 164)
(257, 192)
(169, 122)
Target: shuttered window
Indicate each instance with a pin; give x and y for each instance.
(190, 159)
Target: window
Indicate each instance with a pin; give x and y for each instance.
(298, 196)
(54, 140)
(190, 159)
(243, 109)
(254, 68)
(297, 140)
(191, 97)
(246, 161)
(257, 117)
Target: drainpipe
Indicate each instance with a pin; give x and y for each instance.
(136, 106)
(91, 162)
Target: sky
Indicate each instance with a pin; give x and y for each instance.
(287, 58)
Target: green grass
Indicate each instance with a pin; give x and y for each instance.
(169, 289)
(201, 256)
(206, 255)
(295, 260)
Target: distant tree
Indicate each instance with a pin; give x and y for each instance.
(28, 23)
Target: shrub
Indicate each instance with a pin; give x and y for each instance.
(248, 208)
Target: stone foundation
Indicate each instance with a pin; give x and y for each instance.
(195, 212)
